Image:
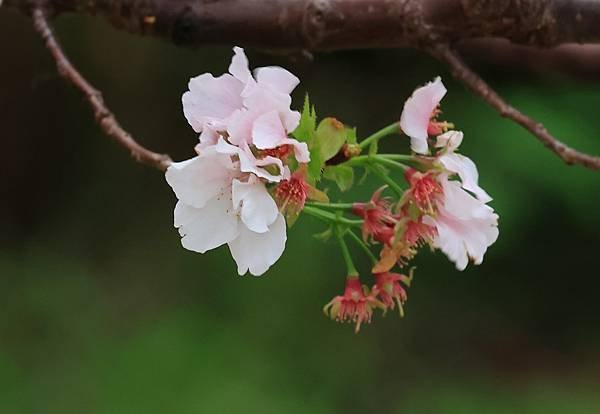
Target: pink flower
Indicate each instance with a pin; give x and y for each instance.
(355, 305)
(465, 225)
(459, 164)
(379, 222)
(418, 117)
(424, 189)
(229, 104)
(390, 291)
(219, 204)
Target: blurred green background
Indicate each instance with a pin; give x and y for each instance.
(102, 311)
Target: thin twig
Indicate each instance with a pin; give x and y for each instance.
(104, 117)
(478, 86)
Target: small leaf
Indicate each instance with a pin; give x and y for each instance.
(331, 136)
(306, 132)
(343, 176)
(307, 126)
(351, 135)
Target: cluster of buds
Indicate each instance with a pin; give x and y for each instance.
(258, 165)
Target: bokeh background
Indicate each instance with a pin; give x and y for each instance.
(102, 311)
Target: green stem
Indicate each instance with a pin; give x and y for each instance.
(390, 163)
(389, 181)
(337, 206)
(363, 246)
(352, 272)
(388, 130)
(361, 160)
(330, 218)
(399, 157)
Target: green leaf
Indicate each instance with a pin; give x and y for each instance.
(343, 176)
(306, 132)
(331, 136)
(307, 126)
(351, 135)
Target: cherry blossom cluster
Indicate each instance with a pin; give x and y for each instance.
(259, 165)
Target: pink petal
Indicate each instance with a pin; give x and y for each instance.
(277, 78)
(239, 65)
(467, 171)
(268, 131)
(417, 113)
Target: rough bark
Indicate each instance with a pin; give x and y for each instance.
(316, 25)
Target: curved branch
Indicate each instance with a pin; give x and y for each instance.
(479, 87)
(104, 117)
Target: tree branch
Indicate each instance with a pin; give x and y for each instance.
(479, 87)
(104, 117)
(315, 25)
(312, 25)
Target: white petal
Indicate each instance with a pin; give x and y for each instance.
(268, 131)
(197, 180)
(467, 171)
(257, 208)
(206, 228)
(256, 252)
(262, 100)
(449, 140)
(239, 65)
(466, 227)
(463, 239)
(211, 99)
(461, 204)
(276, 78)
(419, 145)
(417, 112)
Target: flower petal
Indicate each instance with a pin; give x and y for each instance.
(206, 228)
(249, 163)
(467, 171)
(461, 204)
(463, 239)
(276, 78)
(449, 141)
(256, 252)
(197, 180)
(211, 99)
(417, 112)
(268, 131)
(301, 151)
(239, 65)
(257, 208)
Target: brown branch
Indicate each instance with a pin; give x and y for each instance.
(479, 87)
(104, 117)
(315, 25)
(309, 25)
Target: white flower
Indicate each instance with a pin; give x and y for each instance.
(218, 204)
(459, 164)
(418, 111)
(465, 225)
